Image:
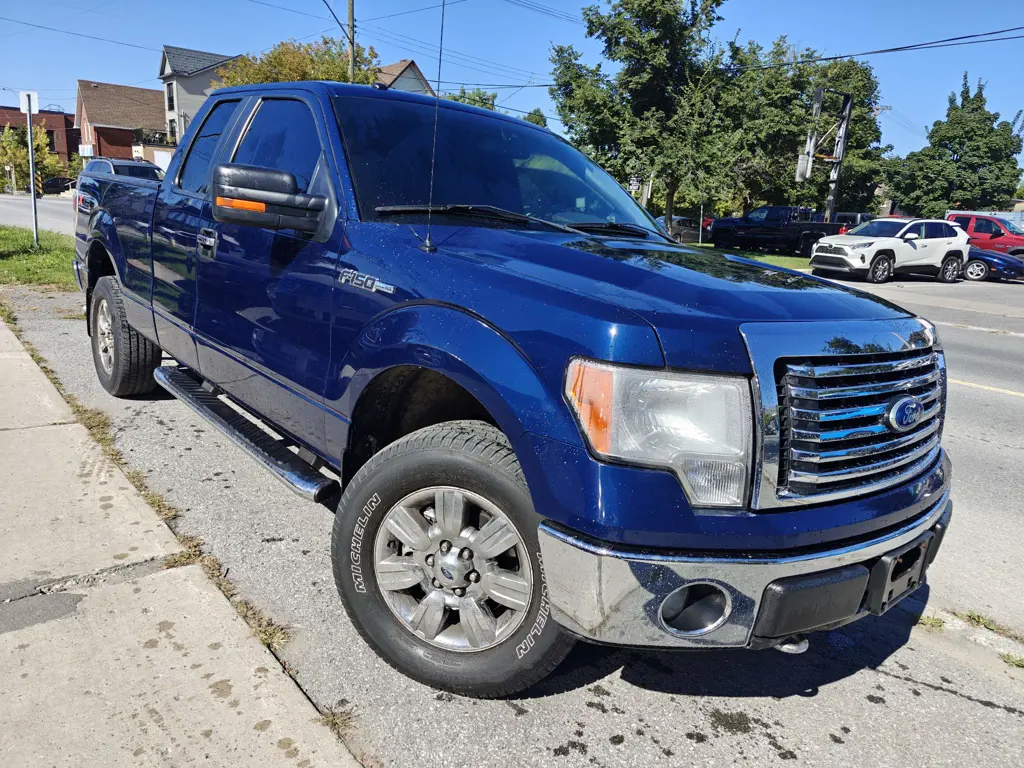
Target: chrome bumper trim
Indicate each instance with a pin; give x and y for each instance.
(612, 596)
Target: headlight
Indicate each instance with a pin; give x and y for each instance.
(860, 246)
(695, 424)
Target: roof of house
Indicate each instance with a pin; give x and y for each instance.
(185, 61)
(120, 106)
(391, 72)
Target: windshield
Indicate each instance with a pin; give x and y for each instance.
(140, 172)
(1010, 227)
(480, 161)
(879, 228)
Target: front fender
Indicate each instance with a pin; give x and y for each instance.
(462, 347)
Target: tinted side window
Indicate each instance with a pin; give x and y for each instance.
(917, 229)
(934, 230)
(984, 227)
(196, 169)
(948, 230)
(91, 167)
(758, 215)
(282, 136)
(963, 221)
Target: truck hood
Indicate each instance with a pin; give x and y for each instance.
(695, 299)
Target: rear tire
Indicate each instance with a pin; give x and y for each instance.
(976, 270)
(880, 270)
(124, 358)
(949, 272)
(389, 575)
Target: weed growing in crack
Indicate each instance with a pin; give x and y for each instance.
(340, 719)
(931, 622)
(273, 635)
(1013, 659)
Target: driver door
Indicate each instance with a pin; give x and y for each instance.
(910, 254)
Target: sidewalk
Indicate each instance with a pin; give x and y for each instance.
(109, 659)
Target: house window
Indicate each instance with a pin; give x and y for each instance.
(170, 97)
(172, 131)
(51, 141)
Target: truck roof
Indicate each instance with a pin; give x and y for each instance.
(329, 88)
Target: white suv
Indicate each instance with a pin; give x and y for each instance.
(881, 248)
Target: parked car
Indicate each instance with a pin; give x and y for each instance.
(58, 184)
(685, 229)
(116, 166)
(990, 265)
(885, 247)
(991, 233)
(534, 417)
(780, 227)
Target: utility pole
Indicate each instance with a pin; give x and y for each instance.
(351, 41)
(837, 157)
(28, 107)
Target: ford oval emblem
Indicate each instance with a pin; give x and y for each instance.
(447, 574)
(904, 414)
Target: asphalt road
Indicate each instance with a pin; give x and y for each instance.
(54, 212)
(877, 693)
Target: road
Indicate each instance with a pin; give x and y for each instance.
(877, 693)
(54, 212)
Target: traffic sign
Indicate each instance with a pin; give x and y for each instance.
(634, 183)
(29, 100)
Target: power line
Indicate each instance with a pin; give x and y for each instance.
(81, 34)
(546, 10)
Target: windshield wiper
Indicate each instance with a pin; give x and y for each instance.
(613, 226)
(482, 211)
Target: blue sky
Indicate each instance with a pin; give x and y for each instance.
(498, 41)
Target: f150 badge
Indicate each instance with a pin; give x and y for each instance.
(364, 281)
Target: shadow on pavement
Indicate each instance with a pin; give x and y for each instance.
(833, 656)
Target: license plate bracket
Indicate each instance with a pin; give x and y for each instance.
(898, 573)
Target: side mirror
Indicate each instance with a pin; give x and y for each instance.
(262, 197)
(911, 236)
(998, 233)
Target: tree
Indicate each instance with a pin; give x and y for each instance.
(536, 117)
(631, 121)
(1019, 194)
(325, 59)
(14, 152)
(476, 97)
(970, 161)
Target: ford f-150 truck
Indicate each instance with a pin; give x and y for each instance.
(536, 418)
(781, 227)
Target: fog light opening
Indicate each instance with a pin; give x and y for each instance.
(696, 609)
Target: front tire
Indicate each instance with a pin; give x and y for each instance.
(880, 270)
(949, 272)
(437, 561)
(124, 358)
(976, 270)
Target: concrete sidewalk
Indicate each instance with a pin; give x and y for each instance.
(109, 659)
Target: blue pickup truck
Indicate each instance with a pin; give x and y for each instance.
(536, 418)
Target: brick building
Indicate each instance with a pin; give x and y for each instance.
(60, 128)
(110, 117)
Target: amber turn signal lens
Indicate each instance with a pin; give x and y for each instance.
(590, 389)
(241, 205)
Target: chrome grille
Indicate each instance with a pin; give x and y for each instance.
(829, 248)
(833, 427)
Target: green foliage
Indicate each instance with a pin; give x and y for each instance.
(1019, 194)
(536, 117)
(325, 59)
(970, 161)
(721, 127)
(14, 152)
(49, 265)
(476, 97)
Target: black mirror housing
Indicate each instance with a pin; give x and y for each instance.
(264, 197)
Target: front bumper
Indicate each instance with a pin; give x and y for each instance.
(615, 596)
(835, 263)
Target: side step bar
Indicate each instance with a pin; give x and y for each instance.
(270, 453)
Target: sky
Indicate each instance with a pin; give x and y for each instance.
(508, 42)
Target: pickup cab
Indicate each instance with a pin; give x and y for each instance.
(535, 417)
(782, 227)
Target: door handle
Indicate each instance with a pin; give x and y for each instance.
(207, 242)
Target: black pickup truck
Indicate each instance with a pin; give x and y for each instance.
(783, 227)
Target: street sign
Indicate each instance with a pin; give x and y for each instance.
(29, 100)
(634, 183)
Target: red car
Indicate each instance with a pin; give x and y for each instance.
(991, 233)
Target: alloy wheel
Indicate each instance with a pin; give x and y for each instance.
(453, 569)
(975, 270)
(105, 336)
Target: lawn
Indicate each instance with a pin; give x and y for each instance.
(789, 262)
(50, 264)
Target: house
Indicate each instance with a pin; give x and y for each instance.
(61, 133)
(187, 76)
(115, 118)
(404, 75)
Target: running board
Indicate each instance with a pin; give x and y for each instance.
(271, 454)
